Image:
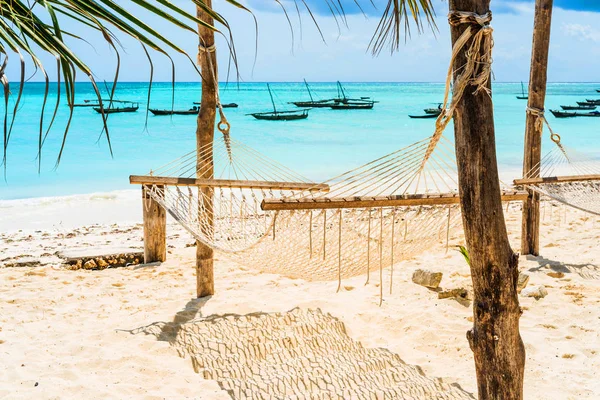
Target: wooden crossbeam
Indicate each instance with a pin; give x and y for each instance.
(371, 202)
(556, 179)
(242, 184)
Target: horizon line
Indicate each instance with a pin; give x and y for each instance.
(252, 82)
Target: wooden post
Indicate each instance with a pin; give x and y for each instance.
(530, 232)
(207, 59)
(497, 347)
(155, 228)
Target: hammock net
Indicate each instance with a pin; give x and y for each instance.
(567, 176)
(314, 242)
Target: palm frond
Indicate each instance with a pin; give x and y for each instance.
(25, 32)
(396, 21)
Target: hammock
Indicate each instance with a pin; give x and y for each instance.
(266, 216)
(566, 176)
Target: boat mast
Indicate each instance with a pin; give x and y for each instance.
(272, 101)
(341, 90)
(309, 93)
(522, 89)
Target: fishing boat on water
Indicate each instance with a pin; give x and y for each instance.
(437, 110)
(343, 98)
(427, 115)
(352, 106)
(579, 107)
(129, 106)
(523, 95)
(567, 114)
(343, 102)
(192, 111)
(312, 103)
(280, 115)
(589, 103)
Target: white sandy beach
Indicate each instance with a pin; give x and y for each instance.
(76, 334)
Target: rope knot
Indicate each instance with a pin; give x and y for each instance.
(209, 49)
(538, 112)
(467, 17)
(475, 73)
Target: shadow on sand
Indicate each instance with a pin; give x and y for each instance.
(168, 331)
(586, 271)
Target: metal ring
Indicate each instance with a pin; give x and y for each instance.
(223, 126)
(555, 137)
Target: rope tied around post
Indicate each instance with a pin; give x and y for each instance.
(475, 72)
(223, 125)
(207, 49)
(555, 137)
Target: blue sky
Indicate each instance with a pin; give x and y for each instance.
(574, 53)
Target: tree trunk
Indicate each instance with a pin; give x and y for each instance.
(207, 60)
(530, 232)
(494, 339)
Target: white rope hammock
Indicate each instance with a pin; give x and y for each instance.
(566, 176)
(317, 242)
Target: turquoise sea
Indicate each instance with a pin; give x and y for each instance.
(327, 143)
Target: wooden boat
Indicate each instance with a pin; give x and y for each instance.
(133, 107)
(352, 106)
(589, 103)
(523, 95)
(428, 115)
(425, 116)
(280, 115)
(580, 107)
(342, 98)
(226, 105)
(312, 103)
(566, 114)
(437, 110)
(192, 111)
(95, 103)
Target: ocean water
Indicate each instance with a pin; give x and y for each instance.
(327, 143)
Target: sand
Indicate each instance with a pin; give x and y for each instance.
(87, 334)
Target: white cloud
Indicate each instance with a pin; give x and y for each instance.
(581, 32)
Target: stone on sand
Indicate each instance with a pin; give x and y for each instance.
(458, 293)
(537, 292)
(427, 278)
(91, 264)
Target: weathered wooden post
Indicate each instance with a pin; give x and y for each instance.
(207, 59)
(155, 228)
(497, 347)
(530, 231)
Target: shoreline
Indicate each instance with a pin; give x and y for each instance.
(71, 211)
